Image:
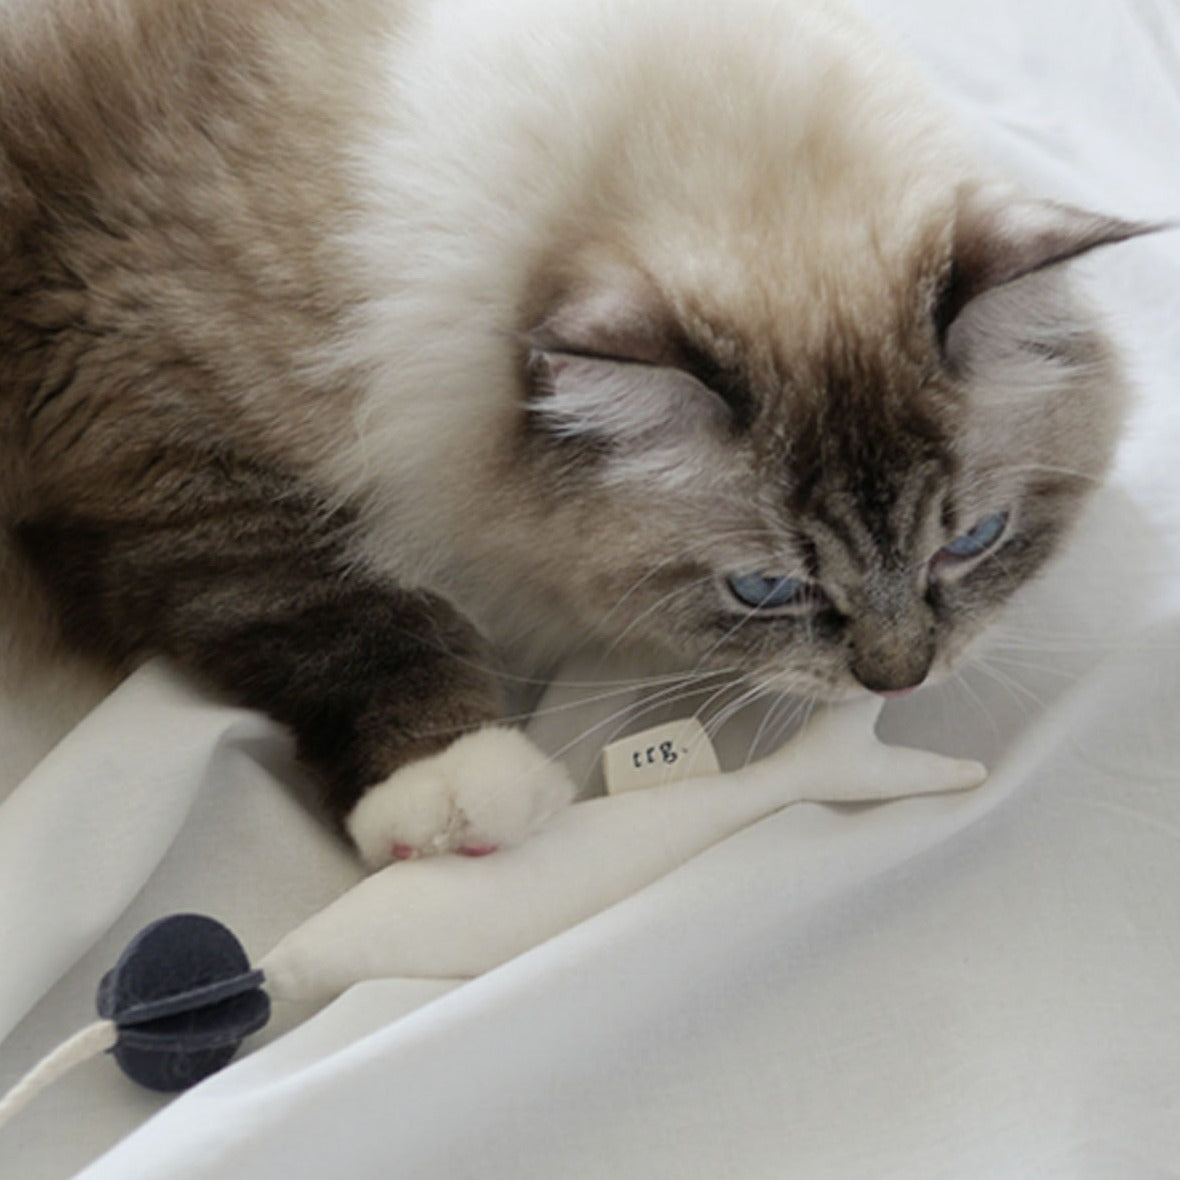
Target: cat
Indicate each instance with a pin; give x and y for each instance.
(354, 350)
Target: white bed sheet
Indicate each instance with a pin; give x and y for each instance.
(978, 986)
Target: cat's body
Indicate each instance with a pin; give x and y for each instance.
(349, 348)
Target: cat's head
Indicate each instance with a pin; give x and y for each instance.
(741, 358)
(826, 485)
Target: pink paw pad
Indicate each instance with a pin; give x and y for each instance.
(478, 849)
(403, 852)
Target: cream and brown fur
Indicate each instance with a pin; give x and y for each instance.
(353, 349)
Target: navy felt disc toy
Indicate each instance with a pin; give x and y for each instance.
(184, 998)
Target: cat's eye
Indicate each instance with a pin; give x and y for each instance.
(978, 540)
(771, 592)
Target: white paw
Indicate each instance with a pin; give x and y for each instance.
(487, 790)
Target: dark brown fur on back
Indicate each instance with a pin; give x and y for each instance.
(163, 169)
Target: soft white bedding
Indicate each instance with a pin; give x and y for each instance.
(969, 986)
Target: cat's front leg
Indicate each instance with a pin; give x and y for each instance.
(389, 692)
(394, 704)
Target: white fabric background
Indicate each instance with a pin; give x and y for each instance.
(979, 986)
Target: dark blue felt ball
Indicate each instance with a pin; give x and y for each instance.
(184, 998)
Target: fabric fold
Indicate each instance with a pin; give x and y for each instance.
(84, 832)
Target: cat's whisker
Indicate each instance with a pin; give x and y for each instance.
(669, 684)
(813, 703)
(715, 724)
(1065, 642)
(508, 677)
(1040, 667)
(621, 638)
(580, 702)
(771, 719)
(1020, 693)
(636, 586)
(1032, 627)
(742, 621)
(791, 705)
(689, 549)
(629, 718)
(635, 711)
(798, 718)
(712, 723)
(790, 720)
(962, 683)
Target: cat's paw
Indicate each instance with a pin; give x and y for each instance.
(488, 790)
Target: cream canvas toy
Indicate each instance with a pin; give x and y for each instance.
(183, 996)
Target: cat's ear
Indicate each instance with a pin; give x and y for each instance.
(606, 366)
(631, 405)
(616, 314)
(1000, 238)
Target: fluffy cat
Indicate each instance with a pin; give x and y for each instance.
(351, 349)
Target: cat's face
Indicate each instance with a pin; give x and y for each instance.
(832, 507)
(799, 400)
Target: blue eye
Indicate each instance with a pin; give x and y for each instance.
(979, 540)
(766, 592)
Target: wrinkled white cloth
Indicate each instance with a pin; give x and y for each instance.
(978, 985)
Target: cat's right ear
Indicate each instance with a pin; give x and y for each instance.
(606, 366)
(624, 405)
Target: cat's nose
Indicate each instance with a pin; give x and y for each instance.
(890, 657)
(887, 686)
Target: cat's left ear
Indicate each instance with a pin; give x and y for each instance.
(1000, 238)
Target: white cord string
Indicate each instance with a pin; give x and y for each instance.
(90, 1042)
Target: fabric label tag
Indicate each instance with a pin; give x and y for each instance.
(664, 754)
